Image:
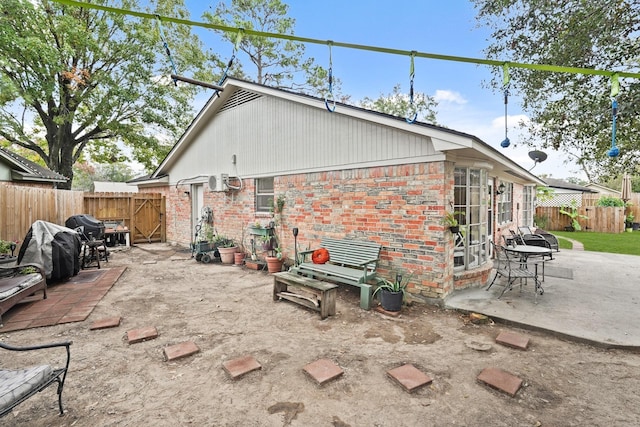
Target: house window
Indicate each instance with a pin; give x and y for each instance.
(264, 194)
(527, 205)
(472, 198)
(504, 204)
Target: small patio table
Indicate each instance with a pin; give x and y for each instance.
(526, 251)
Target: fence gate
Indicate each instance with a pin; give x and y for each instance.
(148, 218)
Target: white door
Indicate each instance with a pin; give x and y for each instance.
(197, 203)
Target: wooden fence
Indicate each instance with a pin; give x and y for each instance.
(20, 206)
(600, 219)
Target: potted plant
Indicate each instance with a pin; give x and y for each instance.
(628, 222)
(205, 238)
(572, 212)
(4, 247)
(7, 250)
(391, 292)
(275, 261)
(267, 242)
(450, 219)
(227, 249)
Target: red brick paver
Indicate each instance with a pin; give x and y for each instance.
(501, 380)
(241, 366)
(138, 335)
(183, 349)
(69, 301)
(512, 339)
(323, 370)
(109, 322)
(409, 377)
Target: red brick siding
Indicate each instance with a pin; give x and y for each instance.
(399, 207)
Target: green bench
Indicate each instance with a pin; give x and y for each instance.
(352, 262)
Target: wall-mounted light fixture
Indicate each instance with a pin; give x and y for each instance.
(501, 189)
(187, 193)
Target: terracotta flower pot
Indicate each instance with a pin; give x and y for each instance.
(238, 258)
(227, 255)
(274, 264)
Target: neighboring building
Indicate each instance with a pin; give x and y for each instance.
(352, 173)
(18, 170)
(113, 187)
(601, 189)
(564, 193)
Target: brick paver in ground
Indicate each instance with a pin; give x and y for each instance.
(409, 377)
(183, 349)
(501, 380)
(109, 322)
(323, 370)
(143, 334)
(511, 339)
(241, 366)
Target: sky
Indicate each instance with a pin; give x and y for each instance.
(465, 103)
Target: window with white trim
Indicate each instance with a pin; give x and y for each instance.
(471, 198)
(264, 194)
(504, 204)
(527, 205)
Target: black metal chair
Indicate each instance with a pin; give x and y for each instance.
(536, 238)
(512, 269)
(93, 250)
(17, 385)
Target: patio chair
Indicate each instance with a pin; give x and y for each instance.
(530, 238)
(533, 240)
(511, 269)
(536, 238)
(17, 385)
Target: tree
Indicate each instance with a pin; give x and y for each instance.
(398, 104)
(76, 80)
(278, 63)
(572, 112)
(86, 174)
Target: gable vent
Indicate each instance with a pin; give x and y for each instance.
(238, 98)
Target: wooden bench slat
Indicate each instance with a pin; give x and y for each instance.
(347, 261)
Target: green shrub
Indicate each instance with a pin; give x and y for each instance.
(610, 201)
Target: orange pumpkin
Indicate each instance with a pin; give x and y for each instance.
(320, 256)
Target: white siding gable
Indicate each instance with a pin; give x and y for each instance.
(276, 136)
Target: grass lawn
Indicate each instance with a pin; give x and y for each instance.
(622, 243)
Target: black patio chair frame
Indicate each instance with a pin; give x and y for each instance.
(512, 269)
(534, 238)
(57, 375)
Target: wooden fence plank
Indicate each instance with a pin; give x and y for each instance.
(21, 206)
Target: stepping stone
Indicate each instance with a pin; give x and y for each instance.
(501, 380)
(511, 339)
(109, 322)
(478, 345)
(240, 366)
(323, 370)
(183, 349)
(142, 334)
(409, 377)
(381, 310)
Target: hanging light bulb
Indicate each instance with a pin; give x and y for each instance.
(614, 151)
(505, 84)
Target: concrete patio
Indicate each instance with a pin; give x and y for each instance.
(588, 296)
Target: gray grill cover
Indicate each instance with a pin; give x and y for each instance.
(53, 246)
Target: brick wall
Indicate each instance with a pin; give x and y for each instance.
(399, 207)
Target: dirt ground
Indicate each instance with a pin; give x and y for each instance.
(228, 312)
